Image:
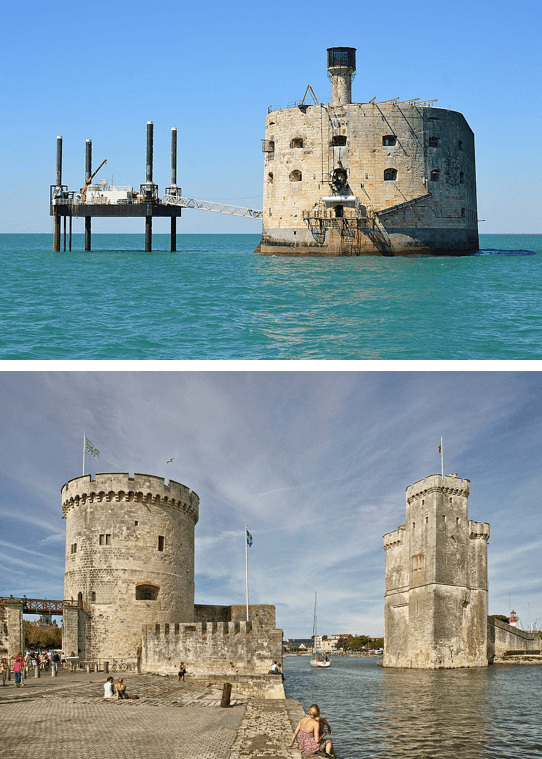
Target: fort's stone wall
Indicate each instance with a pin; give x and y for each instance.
(431, 154)
(212, 648)
(502, 637)
(129, 557)
(264, 613)
(436, 580)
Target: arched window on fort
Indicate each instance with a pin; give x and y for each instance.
(435, 175)
(389, 140)
(270, 177)
(297, 142)
(339, 212)
(146, 592)
(433, 142)
(461, 177)
(80, 597)
(390, 175)
(296, 176)
(338, 141)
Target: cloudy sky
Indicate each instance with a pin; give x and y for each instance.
(315, 462)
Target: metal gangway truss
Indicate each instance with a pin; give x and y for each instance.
(209, 205)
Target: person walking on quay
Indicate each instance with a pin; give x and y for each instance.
(27, 663)
(55, 661)
(73, 661)
(36, 663)
(18, 666)
(5, 671)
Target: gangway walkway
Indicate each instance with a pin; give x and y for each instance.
(209, 205)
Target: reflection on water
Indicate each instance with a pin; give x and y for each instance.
(467, 713)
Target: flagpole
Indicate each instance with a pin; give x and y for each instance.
(84, 447)
(246, 563)
(441, 458)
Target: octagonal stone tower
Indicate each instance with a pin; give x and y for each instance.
(129, 557)
(435, 613)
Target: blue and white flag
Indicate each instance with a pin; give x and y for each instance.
(249, 539)
(89, 448)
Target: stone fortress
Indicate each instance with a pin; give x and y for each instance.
(375, 178)
(130, 566)
(435, 609)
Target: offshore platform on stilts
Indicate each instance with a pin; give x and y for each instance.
(107, 200)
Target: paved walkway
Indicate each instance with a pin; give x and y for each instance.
(67, 718)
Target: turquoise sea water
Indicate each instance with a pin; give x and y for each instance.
(214, 299)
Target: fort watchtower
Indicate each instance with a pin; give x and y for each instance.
(341, 67)
(129, 557)
(436, 580)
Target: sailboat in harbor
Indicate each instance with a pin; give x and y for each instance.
(317, 659)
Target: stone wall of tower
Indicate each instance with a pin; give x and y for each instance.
(129, 557)
(436, 584)
(427, 140)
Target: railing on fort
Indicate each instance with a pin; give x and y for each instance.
(41, 605)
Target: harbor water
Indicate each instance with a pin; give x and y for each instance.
(214, 299)
(423, 714)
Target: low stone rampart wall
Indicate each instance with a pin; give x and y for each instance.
(502, 637)
(253, 686)
(264, 613)
(212, 649)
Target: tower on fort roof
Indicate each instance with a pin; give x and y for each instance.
(344, 178)
(435, 612)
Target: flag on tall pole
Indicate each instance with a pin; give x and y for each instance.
(248, 543)
(88, 448)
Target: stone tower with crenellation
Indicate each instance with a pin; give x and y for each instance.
(436, 580)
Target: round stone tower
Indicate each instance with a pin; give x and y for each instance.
(129, 557)
(341, 67)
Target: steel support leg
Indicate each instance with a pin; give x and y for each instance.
(148, 234)
(173, 233)
(87, 232)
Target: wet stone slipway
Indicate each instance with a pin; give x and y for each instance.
(67, 717)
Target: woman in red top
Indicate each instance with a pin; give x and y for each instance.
(18, 668)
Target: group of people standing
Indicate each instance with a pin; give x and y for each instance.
(23, 662)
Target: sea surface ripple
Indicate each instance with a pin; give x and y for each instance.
(214, 299)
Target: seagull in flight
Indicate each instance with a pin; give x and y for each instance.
(169, 461)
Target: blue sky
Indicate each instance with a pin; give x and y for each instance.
(316, 463)
(101, 71)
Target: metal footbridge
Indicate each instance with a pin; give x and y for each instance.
(209, 205)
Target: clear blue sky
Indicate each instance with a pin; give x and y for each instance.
(102, 70)
(316, 463)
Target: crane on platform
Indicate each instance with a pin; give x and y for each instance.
(89, 180)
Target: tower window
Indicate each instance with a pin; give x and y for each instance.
(389, 140)
(160, 542)
(390, 175)
(146, 592)
(73, 548)
(297, 142)
(461, 177)
(93, 595)
(444, 517)
(460, 145)
(296, 176)
(463, 213)
(435, 175)
(433, 142)
(338, 141)
(339, 212)
(105, 540)
(270, 177)
(80, 597)
(426, 520)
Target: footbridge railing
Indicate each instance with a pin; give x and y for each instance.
(209, 205)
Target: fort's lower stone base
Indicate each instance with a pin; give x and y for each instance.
(371, 242)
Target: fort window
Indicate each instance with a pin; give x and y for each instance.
(413, 525)
(73, 548)
(444, 517)
(338, 141)
(435, 175)
(295, 176)
(93, 595)
(426, 520)
(389, 140)
(339, 212)
(297, 142)
(433, 142)
(166, 628)
(461, 177)
(160, 542)
(390, 175)
(146, 592)
(423, 501)
(457, 520)
(105, 540)
(157, 629)
(268, 146)
(460, 145)
(270, 177)
(136, 523)
(80, 597)
(463, 212)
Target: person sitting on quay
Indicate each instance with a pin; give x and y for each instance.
(120, 689)
(108, 689)
(308, 734)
